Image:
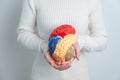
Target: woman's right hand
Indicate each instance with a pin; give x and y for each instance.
(53, 63)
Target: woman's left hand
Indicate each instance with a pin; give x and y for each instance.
(77, 50)
(64, 65)
(67, 64)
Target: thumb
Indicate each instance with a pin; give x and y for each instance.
(77, 51)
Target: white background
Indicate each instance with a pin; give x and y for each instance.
(16, 61)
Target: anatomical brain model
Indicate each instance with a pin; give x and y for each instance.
(60, 43)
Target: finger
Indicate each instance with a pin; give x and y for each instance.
(58, 63)
(64, 67)
(50, 60)
(77, 51)
(60, 68)
(77, 54)
(67, 67)
(47, 55)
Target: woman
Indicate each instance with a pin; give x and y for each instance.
(40, 17)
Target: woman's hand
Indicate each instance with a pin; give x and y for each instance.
(64, 65)
(50, 60)
(56, 65)
(67, 64)
(77, 50)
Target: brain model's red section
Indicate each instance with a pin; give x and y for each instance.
(63, 30)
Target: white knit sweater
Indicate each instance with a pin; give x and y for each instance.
(40, 17)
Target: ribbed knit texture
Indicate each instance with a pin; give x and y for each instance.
(51, 13)
(40, 17)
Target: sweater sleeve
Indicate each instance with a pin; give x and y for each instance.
(26, 30)
(97, 40)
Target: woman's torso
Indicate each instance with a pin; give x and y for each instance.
(43, 71)
(53, 13)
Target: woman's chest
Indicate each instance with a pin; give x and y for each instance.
(52, 13)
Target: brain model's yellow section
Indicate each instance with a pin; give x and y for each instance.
(63, 46)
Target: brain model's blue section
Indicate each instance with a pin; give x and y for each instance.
(52, 43)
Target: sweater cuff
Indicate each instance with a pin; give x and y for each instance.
(84, 42)
(44, 47)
